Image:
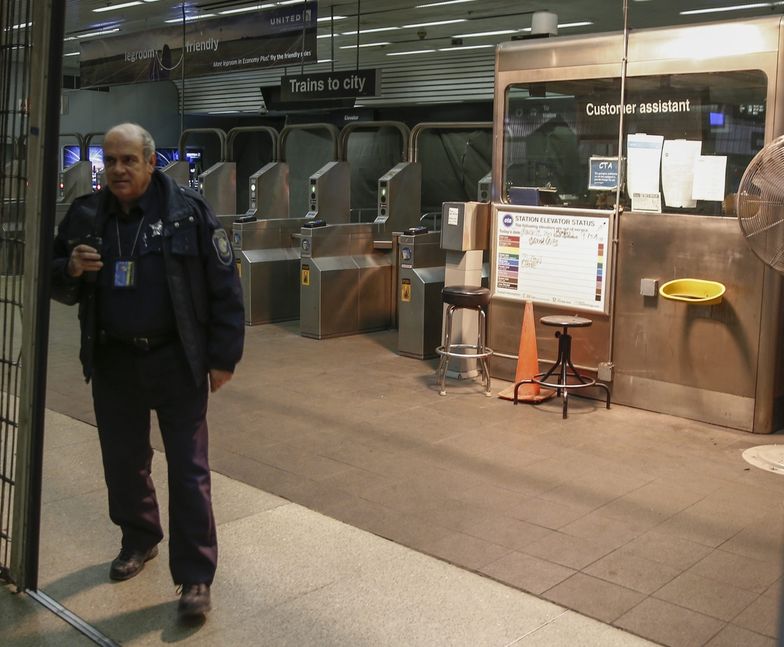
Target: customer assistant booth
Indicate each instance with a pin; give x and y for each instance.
(687, 108)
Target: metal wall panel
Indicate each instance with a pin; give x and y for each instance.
(432, 78)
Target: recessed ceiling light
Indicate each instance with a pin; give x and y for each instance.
(443, 2)
(566, 25)
(364, 45)
(368, 31)
(737, 7)
(500, 32)
(189, 18)
(255, 7)
(433, 24)
(90, 34)
(413, 51)
(113, 7)
(453, 49)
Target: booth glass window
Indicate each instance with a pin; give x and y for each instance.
(691, 138)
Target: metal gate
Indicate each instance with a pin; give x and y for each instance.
(31, 35)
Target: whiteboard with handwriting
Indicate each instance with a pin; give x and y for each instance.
(553, 258)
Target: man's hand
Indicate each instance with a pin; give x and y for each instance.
(83, 259)
(218, 378)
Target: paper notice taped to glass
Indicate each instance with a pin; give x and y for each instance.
(710, 173)
(678, 157)
(646, 202)
(643, 162)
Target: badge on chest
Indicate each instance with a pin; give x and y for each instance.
(124, 274)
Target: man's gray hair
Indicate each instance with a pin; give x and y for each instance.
(135, 130)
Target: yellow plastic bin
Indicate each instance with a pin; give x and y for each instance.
(697, 291)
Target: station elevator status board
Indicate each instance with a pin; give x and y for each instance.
(556, 257)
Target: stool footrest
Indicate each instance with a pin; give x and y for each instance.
(486, 353)
(563, 389)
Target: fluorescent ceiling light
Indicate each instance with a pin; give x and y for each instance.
(255, 7)
(501, 32)
(324, 60)
(189, 18)
(737, 7)
(566, 25)
(329, 18)
(113, 7)
(326, 36)
(23, 25)
(414, 51)
(453, 49)
(433, 24)
(438, 4)
(90, 34)
(222, 112)
(364, 45)
(72, 54)
(281, 4)
(368, 31)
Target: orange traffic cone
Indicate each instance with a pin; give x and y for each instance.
(527, 363)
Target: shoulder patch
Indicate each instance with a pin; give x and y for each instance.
(220, 241)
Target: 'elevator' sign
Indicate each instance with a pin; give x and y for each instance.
(329, 85)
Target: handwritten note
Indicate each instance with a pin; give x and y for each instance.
(558, 259)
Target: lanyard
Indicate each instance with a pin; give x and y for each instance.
(135, 238)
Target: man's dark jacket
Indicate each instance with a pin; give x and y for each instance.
(202, 279)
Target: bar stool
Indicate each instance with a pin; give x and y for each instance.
(563, 368)
(472, 298)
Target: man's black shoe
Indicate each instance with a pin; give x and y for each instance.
(194, 601)
(130, 562)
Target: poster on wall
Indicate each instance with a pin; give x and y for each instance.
(559, 259)
(268, 38)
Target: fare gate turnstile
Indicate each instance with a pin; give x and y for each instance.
(344, 281)
(347, 279)
(266, 240)
(268, 255)
(420, 280)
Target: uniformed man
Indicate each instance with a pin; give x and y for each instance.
(161, 317)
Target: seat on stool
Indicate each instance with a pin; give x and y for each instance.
(563, 369)
(469, 297)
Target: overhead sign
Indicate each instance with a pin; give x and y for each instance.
(273, 37)
(329, 85)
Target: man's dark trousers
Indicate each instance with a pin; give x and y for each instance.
(127, 384)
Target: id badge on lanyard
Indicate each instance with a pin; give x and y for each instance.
(124, 274)
(125, 268)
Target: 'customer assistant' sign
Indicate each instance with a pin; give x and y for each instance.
(329, 85)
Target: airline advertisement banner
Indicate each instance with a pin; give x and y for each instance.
(269, 38)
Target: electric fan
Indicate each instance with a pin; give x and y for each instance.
(760, 204)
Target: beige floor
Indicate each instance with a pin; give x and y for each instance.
(288, 576)
(647, 522)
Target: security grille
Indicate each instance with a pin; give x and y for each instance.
(31, 37)
(15, 50)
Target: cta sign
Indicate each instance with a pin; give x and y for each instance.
(330, 85)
